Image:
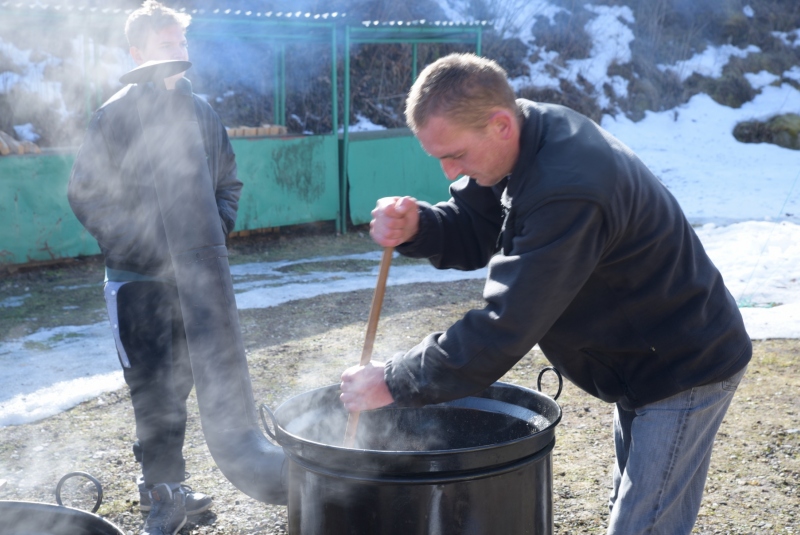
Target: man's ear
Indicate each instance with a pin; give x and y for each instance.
(502, 123)
(136, 54)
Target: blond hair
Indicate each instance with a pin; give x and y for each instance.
(152, 16)
(463, 88)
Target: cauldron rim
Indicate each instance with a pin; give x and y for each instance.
(426, 461)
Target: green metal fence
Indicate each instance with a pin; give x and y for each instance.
(385, 163)
(413, 33)
(287, 181)
(36, 223)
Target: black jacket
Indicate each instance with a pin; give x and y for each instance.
(590, 257)
(112, 195)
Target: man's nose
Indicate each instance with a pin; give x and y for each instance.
(451, 169)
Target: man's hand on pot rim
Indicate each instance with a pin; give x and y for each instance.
(364, 388)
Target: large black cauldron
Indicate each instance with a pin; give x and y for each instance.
(476, 466)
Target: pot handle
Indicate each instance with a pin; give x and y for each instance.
(97, 485)
(272, 434)
(560, 380)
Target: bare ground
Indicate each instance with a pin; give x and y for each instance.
(752, 487)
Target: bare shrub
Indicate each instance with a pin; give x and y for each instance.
(649, 88)
(782, 130)
(567, 34)
(508, 53)
(568, 95)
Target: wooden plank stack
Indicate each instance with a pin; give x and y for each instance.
(257, 131)
(9, 145)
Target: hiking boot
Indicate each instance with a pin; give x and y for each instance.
(167, 510)
(196, 502)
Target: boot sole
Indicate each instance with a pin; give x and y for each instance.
(193, 512)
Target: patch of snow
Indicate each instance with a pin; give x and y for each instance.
(263, 294)
(611, 44)
(793, 73)
(512, 18)
(761, 79)
(709, 62)
(759, 263)
(57, 397)
(52, 370)
(611, 38)
(75, 287)
(789, 38)
(715, 177)
(14, 301)
(539, 76)
(748, 11)
(25, 132)
(363, 125)
(31, 77)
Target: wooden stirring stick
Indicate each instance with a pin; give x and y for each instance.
(369, 340)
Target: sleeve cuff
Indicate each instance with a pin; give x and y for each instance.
(417, 246)
(401, 383)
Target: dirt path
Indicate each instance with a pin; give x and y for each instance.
(752, 487)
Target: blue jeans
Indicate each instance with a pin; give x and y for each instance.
(663, 451)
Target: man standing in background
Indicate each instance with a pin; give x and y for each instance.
(590, 257)
(112, 195)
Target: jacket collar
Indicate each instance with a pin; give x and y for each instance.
(530, 137)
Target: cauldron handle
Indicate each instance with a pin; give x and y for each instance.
(560, 380)
(87, 476)
(269, 431)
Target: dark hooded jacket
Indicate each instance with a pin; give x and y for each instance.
(589, 256)
(111, 190)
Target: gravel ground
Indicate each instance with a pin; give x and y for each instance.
(752, 486)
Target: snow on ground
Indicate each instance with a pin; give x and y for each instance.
(362, 125)
(716, 178)
(709, 62)
(276, 288)
(53, 370)
(612, 39)
(760, 263)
